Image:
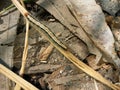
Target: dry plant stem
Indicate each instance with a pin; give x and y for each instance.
(24, 57)
(6, 9)
(96, 86)
(25, 51)
(22, 3)
(75, 60)
(14, 77)
(46, 31)
(41, 29)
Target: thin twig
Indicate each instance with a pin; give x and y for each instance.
(24, 57)
(25, 51)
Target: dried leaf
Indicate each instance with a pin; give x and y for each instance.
(92, 19)
(56, 8)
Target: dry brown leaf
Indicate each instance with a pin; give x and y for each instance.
(92, 19)
(56, 8)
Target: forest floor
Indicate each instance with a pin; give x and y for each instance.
(55, 71)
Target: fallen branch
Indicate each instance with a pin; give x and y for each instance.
(59, 46)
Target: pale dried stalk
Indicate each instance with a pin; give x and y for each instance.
(25, 51)
(14, 77)
(22, 3)
(96, 86)
(78, 62)
(17, 87)
(65, 52)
